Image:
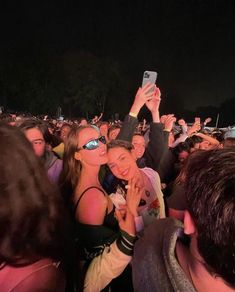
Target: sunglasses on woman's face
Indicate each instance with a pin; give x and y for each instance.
(93, 144)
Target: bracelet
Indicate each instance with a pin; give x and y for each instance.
(134, 115)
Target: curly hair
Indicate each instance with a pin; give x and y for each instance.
(32, 216)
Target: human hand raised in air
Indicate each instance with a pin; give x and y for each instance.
(143, 94)
(169, 122)
(154, 103)
(194, 129)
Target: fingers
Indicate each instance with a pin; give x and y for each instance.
(148, 90)
(148, 86)
(157, 93)
(118, 216)
(122, 207)
(128, 214)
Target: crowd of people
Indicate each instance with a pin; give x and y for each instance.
(123, 206)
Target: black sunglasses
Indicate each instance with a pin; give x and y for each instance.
(93, 144)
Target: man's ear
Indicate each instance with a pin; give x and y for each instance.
(133, 154)
(189, 225)
(78, 156)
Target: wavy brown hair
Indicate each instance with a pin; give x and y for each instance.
(32, 215)
(71, 167)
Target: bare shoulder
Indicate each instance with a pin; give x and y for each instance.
(92, 207)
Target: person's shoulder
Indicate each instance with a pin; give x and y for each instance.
(150, 172)
(94, 195)
(43, 275)
(159, 228)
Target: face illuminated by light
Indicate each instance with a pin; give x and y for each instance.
(35, 137)
(122, 163)
(139, 145)
(95, 157)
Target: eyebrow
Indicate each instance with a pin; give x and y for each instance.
(113, 163)
(120, 156)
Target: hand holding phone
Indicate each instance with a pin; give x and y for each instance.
(149, 76)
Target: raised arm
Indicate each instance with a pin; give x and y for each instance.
(130, 121)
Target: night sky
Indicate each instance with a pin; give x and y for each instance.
(190, 43)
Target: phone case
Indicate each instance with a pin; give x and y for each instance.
(149, 76)
(117, 200)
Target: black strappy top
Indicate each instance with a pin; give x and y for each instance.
(92, 239)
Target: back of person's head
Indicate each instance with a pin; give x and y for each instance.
(186, 166)
(210, 189)
(32, 217)
(180, 148)
(193, 140)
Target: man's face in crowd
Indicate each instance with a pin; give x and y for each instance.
(35, 137)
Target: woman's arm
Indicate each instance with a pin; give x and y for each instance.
(114, 259)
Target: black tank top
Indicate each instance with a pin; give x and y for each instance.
(92, 239)
(109, 219)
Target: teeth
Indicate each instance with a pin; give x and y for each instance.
(125, 172)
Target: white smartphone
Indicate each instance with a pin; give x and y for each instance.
(117, 200)
(149, 76)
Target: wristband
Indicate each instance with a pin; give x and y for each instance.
(134, 115)
(125, 243)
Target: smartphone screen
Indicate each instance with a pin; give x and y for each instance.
(149, 76)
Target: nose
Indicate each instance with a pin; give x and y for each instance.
(102, 146)
(120, 168)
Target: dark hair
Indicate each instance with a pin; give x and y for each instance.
(32, 216)
(42, 126)
(210, 190)
(182, 146)
(120, 143)
(191, 141)
(33, 123)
